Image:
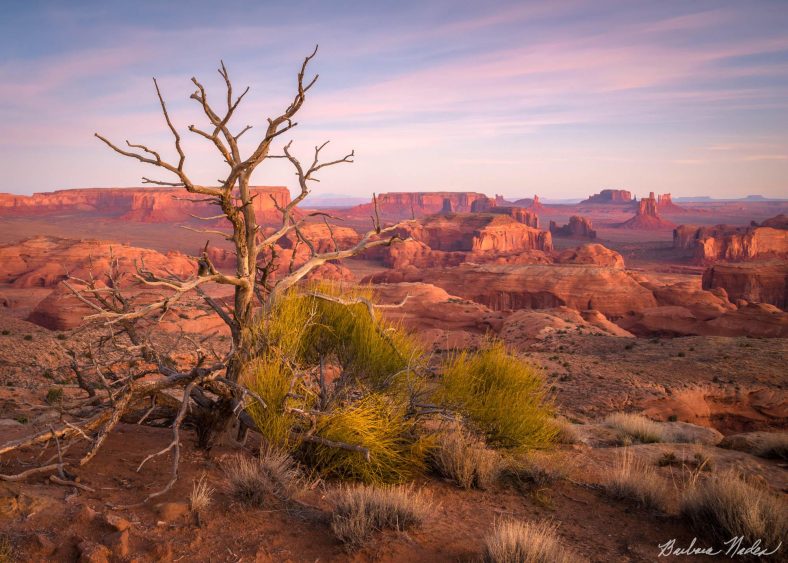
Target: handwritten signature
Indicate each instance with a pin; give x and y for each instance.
(734, 547)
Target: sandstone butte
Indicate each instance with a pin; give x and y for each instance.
(149, 205)
(578, 227)
(647, 217)
(665, 205)
(405, 205)
(724, 242)
(610, 196)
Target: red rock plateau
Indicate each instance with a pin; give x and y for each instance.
(647, 217)
(148, 205)
(578, 227)
(617, 197)
(723, 242)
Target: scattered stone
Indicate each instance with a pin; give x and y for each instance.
(117, 522)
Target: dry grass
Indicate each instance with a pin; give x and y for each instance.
(526, 542)
(773, 445)
(567, 433)
(7, 552)
(254, 481)
(464, 458)
(632, 480)
(727, 506)
(361, 510)
(637, 427)
(201, 495)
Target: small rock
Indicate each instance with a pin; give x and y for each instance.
(171, 511)
(90, 552)
(117, 522)
(9, 423)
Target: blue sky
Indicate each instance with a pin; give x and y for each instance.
(556, 98)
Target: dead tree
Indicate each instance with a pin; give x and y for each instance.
(212, 386)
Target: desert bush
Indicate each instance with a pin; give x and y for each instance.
(464, 458)
(504, 396)
(773, 445)
(273, 381)
(632, 480)
(54, 395)
(726, 506)
(512, 541)
(375, 422)
(360, 510)
(637, 427)
(7, 551)
(273, 474)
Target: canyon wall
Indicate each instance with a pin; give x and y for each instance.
(756, 282)
(404, 205)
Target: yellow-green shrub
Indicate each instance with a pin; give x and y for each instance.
(271, 380)
(504, 396)
(375, 422)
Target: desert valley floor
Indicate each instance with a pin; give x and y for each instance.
(674, 311)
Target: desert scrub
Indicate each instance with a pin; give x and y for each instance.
(637, 427)
(54, 395)
(726, 506)
(464, 458)
(378, 423)
(361, 510)
(512, 541)
(504, 396)
(634, 481)
(273, 475)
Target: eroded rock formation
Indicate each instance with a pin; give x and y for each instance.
(612, 291)
(44, 261)
(724, 242)
(756, 282)
(592, 254)
(647, 217)
(578, 227)
(404, 205)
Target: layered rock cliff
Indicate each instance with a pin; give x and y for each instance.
(150, 205)
(724, 242)
(756, 282)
